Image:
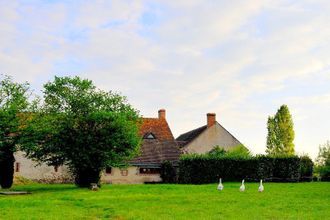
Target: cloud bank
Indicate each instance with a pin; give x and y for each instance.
(239, 59)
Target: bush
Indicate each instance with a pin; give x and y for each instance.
(306, 169)
(199, 169)
(168, 172)
(238, 151)
(325, 173)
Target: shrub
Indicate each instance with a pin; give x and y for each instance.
(239, 151)
(168, 172)
(306, 168)
(199, 169)
(325, 173)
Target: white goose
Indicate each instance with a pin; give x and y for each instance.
(220, 186)
(242, 188)
(261, 187)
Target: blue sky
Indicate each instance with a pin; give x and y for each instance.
(239, 59)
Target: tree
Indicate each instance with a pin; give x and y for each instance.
(323, 161)
(217, 151)
(323, 158)
(280, 135)
(13, 101)
(237, 151)
(82, 127)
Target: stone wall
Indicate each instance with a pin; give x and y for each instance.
(40, 173)
(129, 175)
(48, 174)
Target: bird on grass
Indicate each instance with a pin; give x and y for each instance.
(261, 187)
(220, 186)
(242, 188)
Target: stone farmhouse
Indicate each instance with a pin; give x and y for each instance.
(158, 145)
(205, 138)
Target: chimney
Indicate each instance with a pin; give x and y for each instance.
(162, 114)
(210, 119)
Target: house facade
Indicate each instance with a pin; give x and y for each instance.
(205, 138)
(158, 145)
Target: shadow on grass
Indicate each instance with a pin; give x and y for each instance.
(40, 188)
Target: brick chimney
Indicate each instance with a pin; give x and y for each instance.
(162, 114)
(210, 119)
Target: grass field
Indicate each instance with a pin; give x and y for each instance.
(278, 201)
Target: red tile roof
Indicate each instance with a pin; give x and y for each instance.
(163, 147)
(158, 127)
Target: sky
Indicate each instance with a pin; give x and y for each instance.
(239, 59)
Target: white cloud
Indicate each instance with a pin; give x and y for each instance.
(240, 59)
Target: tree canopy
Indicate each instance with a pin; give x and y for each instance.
(323, 158)
(13, 102)
(239, 151)
(82, 127)
(281, 134)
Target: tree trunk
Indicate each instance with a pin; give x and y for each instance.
(7, 169)
(84, 177)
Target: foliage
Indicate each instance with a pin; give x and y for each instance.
(280, 133)
(82, 127)
(170, 201)
(217, 151)
(306, 168)
(168, 172)
(324, 172)
(200, 169)
(13, 101)
(323, 158)
(323, 162)
(239, 151)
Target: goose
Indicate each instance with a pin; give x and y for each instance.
(261, 187)
(220, 186)
(242, 188)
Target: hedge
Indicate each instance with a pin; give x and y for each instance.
(200, 169)
(306, 169)
(168, 172)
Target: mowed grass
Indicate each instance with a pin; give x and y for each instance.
(278, 201)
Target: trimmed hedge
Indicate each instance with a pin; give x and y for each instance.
(325, 173)
(200, 169)
(168, 172)
(306, 169)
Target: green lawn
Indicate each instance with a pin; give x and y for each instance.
(278, 201)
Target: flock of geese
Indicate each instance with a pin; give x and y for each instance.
(242, 187)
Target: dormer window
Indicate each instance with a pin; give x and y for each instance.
(149, 136)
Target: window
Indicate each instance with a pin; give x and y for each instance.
(17, 167)
(123, 172)
(149, 170)
(149, 136)
(108, 170)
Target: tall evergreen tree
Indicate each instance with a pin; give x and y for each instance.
(280, 133)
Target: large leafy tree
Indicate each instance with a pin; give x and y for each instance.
(13, 102)
(281, 134)
(82, 127)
